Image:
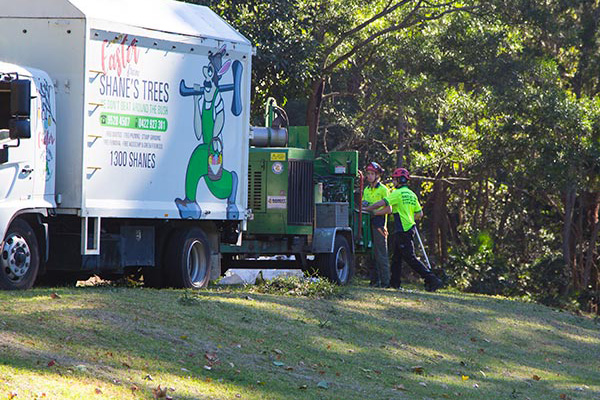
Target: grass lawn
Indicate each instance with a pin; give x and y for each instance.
(117, 342)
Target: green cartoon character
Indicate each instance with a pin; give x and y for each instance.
(206, 160)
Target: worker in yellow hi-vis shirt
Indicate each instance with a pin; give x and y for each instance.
(374, 192)
(404, 205)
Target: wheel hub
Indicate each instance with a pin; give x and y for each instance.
(16, 257)
(341, 262)
(196, 262)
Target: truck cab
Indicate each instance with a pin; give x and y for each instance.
(27, 168)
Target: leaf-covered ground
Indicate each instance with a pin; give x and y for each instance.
(112, 342)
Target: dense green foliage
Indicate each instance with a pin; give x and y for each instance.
(493, 106)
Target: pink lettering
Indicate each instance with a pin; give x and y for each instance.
(121, 57)
(133, 50)
(104, 44)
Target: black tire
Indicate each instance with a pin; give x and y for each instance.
(301, 261)
(338, 266)
(57, 279)
(154, 277)
(187, 259)
(19, 257)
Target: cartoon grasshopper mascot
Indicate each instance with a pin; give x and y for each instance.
(209, 118)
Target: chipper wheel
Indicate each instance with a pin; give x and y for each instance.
(337, 266)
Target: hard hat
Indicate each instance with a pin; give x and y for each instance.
(373, 166)
(401, 173)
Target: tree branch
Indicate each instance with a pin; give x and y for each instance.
(333, 94)
(406, 23)
(386, 10)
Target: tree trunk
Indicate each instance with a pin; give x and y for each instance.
(567, 227)
(401, 138)
(477, 205)
(587, 35)
(591, 250)
(432, 234)
(505, 215)
(442, 225)
(579, 241)
(438, 227)
(314, 111)
(486, 203)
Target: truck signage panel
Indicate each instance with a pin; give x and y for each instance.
(166, 126)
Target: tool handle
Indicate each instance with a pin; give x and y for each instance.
(423, 248)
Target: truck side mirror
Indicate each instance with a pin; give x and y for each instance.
(20, 109)
(20, 98)
(19, 128)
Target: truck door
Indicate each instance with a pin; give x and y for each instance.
(17, 157)
(43, 127)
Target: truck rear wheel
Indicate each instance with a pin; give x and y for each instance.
(19, 257)
(188, 259)
(337, 266)
(57, 279)
(153, 277)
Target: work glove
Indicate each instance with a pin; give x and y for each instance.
(365, 203)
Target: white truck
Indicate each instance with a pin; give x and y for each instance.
(124, 129)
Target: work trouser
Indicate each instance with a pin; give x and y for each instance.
(380, 271)
(404, 249)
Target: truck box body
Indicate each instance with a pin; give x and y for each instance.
(138, 133)
(125, 145)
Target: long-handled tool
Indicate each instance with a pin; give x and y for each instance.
(423, 248)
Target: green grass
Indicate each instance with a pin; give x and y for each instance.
(364, 343)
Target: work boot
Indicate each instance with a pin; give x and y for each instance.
(374, 280)
(432, 283)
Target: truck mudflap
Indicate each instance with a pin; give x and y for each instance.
(324, 239)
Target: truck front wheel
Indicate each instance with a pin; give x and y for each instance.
(337, 266)
(19, 257)
(188, 259)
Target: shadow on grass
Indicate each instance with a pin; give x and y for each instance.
(561, 348)
(362, 344)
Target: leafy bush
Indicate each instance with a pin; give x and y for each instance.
(549, 281)
(294, 286)
(190, 298)
(478, 268)
(589, 300)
